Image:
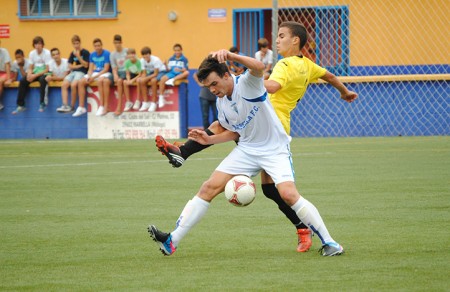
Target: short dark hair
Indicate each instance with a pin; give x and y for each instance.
(210, 65)
(38, 40)
(18, 52)
(146, 50)
(117, 38)
(263, 43)
(297, 30)
(234, 49)
(54, 49)
(97, 40)
(178, 45)
(131, 51)
(76, 38)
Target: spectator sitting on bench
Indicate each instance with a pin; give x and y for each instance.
(177, 69)
(78, 63)
(5, 72)
(39, 60)
(132, 71)
(99, 70)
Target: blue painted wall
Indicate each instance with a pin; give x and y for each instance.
(32, 124)
(398, 108)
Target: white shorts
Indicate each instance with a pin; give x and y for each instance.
(278, 165)
(96, 76)
(74, 76)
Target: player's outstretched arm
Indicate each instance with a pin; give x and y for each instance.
(346, 94)
(203, 138)
(256, 67)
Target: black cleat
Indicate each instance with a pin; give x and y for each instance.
(164, 240)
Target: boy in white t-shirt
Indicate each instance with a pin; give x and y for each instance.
(58, 67)
(265, 55)
(151, 67)
(39, 60)
(246, 112)
(5, 71)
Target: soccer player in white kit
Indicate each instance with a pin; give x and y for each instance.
(245, 110)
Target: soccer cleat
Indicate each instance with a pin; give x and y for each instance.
(172, 152)
(304, 239)
(164, 240)
(330, 249)
(19, 109)
(80, 111)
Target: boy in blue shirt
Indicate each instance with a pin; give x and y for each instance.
(177, 69)
(100, 71)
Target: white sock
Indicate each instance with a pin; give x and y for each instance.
(192, 213)
(309, 215)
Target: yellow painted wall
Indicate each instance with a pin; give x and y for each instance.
(382, 32)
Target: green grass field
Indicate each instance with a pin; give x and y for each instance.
(73, 216)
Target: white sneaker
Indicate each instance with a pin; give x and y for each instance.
(128, 106)
(64, 109)
(152, 107)
(144, 106)
(137, 105)
(170, 82)
(80, 111)
(161, 101)
(1, 106)
(100, 111)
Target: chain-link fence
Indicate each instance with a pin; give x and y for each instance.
(393, 53)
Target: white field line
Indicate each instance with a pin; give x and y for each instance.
(132, 162)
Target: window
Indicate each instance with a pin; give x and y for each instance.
(67, 9)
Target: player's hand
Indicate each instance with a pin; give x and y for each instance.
(350, 96)
(30, 77)
(222, 56)
(199, 136)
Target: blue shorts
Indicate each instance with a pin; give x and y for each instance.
(170, 74)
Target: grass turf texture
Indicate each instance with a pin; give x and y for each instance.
(73, 216)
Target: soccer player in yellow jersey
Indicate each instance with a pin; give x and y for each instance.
(286, 85)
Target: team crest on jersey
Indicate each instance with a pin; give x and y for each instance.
(234, 107)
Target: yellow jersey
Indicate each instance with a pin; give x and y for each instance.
(294, 74)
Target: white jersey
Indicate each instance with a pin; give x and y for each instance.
(60, 70)
(4, 59)
(267, 59)
(40, 60)
(155, 63)
(249, 112)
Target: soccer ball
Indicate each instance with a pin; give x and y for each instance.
(240, 191)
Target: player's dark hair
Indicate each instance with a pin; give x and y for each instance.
(177, 46)
(297, 30)
(234, 49)
(97, 40)
(18, 52)
(263, 43)
(54, 49)
(117, 38)
(76, 38)
(146, 50)
(38, 40)
(210, 65)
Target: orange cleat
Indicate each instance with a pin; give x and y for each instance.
(304, 239)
